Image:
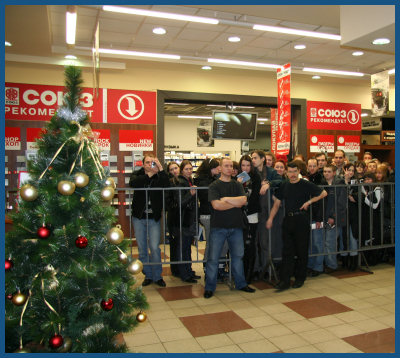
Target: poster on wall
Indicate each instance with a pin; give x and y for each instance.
(102, 138)
(284, 110)
(380, 94)
(31, 135)
(274, 129)
(333, 116)
(204, 130)
(13, 138)
(40, 102)
(349, 143)
(135, 140)
(322, 143)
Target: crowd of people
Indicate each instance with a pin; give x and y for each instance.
(301, 218)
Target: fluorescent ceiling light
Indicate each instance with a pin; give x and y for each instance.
(364, 114)
(358, 53)
(177, 104)
(140, 54)
(207, 68)
(6, 43)
(381, 41)
(70, 57)
(316, 77)
(201, 117)
(333, 72)
(243, 63)
(71, 27)
(234, 39)
(300, 47)
(262, 119)
(163, 15)
(284, 30)
(391, 71)
(159, 31)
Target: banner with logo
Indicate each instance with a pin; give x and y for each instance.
(284, 110)
(102, 138)
(349, 143)
(134, 140)
(136, 107)
(274, 129)
(31, 135)
(40, 102)
(322, 143)
(380, 94)
(13, 138)
(333, 116)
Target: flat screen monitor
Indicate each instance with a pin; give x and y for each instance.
(234, 125)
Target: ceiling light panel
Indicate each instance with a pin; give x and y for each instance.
(295, 32)
(333, 72)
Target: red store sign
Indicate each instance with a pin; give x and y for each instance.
(284, 110)
(31, 135)
(349, 143)
(133, 140)
(102, 138)
(13, 138)
(333, 116)
(322, 143)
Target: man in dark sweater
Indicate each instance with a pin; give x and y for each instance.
(298, 195)
(146, 214)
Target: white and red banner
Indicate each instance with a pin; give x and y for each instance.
(130, 140)
(284, 110)
(322, 143)
(40, 102)
(102, 138)
(13, 138)
(137, 107)
(31, 135)
(333, 116)
(349, 143)
(274, 129)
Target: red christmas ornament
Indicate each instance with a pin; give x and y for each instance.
(9, 265)
(107, 305)
(9, 296)
(43, 232)
(56, 341)
(81, 242)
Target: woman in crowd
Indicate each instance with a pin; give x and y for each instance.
(173, 169)
(183, 221)
(236, 169)
(270, 159)
(252, 189)
(281, 168)
(360, 170)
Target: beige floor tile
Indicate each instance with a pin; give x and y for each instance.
(174, 334)
(201, 301)
(190, 311)
(344, 330)
(274, 330)
(249, 312)
(326, 321)
(335, 346)
(237, 305)
(247, 335)
(218, 307)
(160, 306)
(160, 315)
(288, 341)
(262, 346)
(388, 320)
(383, 291)
(182, 303)
(342, 297)
(305, 349)
(168, 323)
(214, 341)
(226, 349)
(306, 293)
(263, 301)
(151, 348)
(134, 340)
(317, 335)
(373, 312)
(301, 326)
(262, 320)
(379, 300)
(351, 316)
(228, 297)
(182, 346)
(286, 317)
(285, 296)
(358, 304)
(363, 293)
(143, 328)
(370, 325)
(276, 308)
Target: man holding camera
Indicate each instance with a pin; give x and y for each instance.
(146, 214)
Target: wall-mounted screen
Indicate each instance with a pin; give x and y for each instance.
(234, 125)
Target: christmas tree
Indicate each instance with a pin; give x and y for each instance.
(68, 281)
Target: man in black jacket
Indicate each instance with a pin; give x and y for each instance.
(146, 214)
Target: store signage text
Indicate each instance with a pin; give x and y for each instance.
(136, 140)
(12, 138)
(31, 135)
(322, 143)
(102, 138)
(349, 143)
(284, 110)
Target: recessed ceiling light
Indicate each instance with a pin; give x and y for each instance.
(206, 68)
(243, 63)
(159, 31)
(358, 53)
(300, 47)
(391, 71)
(381, 41)
(316, 77)
(364, 114)
(234, 39)
(71, 57)
(7, 43)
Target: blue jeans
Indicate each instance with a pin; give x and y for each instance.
(234, 237)
(316, 263)
(148, 237)
(331, 246)
(353, 245)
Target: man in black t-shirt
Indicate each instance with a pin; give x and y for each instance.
(298, 194)
(227, 198)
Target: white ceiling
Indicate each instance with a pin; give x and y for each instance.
(39, 30)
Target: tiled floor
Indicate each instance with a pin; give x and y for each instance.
(337, 313)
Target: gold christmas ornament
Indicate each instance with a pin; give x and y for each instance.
(141, 317)
(107, 193)
(66, 187)
(28, 192)
(115, 235)
(19, 299)
(82, 199)
(67, 345)
(123, 258)
(135, 267)
(81, 180)
(110, 182)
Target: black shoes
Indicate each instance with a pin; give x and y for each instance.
(208, 294)
(247, 289)
(298, 284)
(196, 277)
(146, 282)
(282, 286)
(161, 283)
(190, 280)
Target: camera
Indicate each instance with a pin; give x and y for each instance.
(153, 164)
